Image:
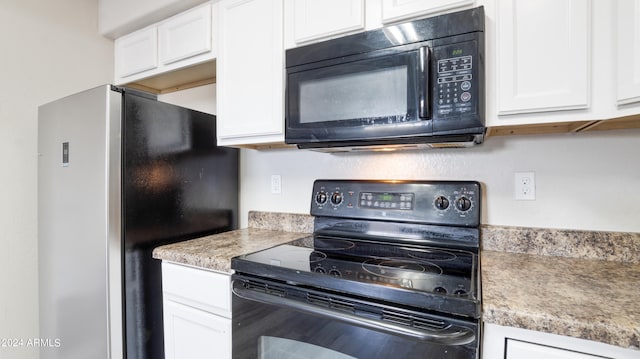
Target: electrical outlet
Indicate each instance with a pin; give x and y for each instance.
(276, 184)
(525, 186)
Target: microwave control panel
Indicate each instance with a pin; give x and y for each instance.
(456, 85)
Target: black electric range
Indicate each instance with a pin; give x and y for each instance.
(408, 245)
(409, 242)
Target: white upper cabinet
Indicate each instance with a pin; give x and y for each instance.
(628, 51)
(186, 35)
(314, 19)
(543, 55)
(250, 68)
(178, 42)
(309, 21)
(572, 64)
(136, 53)
(117, 18)
(395, 10)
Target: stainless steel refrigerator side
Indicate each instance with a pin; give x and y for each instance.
(114, 220)
(72, 225)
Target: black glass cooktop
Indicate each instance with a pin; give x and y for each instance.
(413, 275)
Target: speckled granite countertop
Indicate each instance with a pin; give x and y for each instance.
(557, 281)
(583, 298)
(553, 281)
(215, 252)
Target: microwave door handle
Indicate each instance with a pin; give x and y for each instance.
(424, 64)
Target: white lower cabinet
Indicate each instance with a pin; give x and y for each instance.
(191, 333)
(197, 313)
(524, 350)
(501, 342)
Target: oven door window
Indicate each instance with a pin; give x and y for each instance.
(281, 348)
(386, 90)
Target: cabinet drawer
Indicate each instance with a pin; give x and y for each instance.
(198, 288)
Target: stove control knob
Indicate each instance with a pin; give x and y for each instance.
(460, 293)
(441, 203)
(463, 204)
(440, 290)
(321, 197)
(336, 198)
(334, 272)
(319, 269)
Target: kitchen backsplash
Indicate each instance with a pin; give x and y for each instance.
(611, 246)
(287, 222)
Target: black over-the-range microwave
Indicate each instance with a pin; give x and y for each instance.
(411, 85)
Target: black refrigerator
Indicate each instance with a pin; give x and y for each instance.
(119, 174)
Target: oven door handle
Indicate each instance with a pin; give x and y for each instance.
(450, 335)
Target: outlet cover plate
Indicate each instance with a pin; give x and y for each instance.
(276, 184)
(525, 186)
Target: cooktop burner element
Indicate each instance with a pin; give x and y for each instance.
(398, 267)
(330, 244)
(391, 241)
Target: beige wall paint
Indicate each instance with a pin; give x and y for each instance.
(50, 49)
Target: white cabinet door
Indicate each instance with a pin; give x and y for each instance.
(192, 334)
(315, 19)
(522, 350)
(499, 342)
(136, 52)
(394, 10)
(177, 43)
(628, 51)
(250, 90)
(543, 55)
(185, 35)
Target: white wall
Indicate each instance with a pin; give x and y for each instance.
(50, 49)
(583, 181)
(202, 98)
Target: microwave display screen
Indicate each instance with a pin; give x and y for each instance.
(355, 95)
